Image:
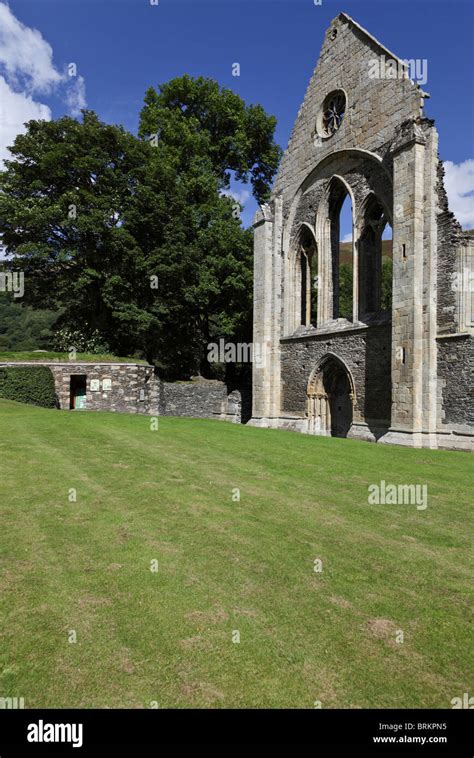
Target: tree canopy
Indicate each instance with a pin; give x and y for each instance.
(196, 117)
(134, 237)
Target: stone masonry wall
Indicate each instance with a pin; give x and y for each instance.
(367, 354)
(136, 388)
(450, 239)
(195, 399)
(456, 359)
(122, 387)
(374, 106)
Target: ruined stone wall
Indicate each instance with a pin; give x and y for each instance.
(455, 375)
(195, 399)
(450, 238)
(384, 146)
(205, 399)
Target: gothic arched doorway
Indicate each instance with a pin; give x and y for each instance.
(330, 398)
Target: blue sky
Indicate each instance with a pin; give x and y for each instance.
(121, 47)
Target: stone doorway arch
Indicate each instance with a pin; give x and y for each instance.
(330, 398)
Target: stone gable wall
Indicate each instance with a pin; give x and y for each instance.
(375, 107)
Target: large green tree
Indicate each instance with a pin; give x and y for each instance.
(197, 118)
(134, 237)
(63, 198)
(202, 136)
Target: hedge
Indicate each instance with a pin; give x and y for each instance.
(28, 384)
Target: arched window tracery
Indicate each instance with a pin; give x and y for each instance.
(307, 264)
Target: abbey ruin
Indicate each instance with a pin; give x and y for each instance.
(357, 361)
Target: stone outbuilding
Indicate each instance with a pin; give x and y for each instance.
(80, 385)
(343, 356)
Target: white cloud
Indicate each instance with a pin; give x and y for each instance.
(15, 109)
(76, 96)
(26, 57)
(459, 183)
(27, 69)
(347, 238)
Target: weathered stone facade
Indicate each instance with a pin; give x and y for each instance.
(400, 375)
(121, 387)
(366, 353)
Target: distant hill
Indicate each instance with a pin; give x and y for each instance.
(346, 250)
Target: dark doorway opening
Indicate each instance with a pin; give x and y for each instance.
(77, 399)
(339, 393)
(331, 398)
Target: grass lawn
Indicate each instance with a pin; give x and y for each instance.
(226, 566)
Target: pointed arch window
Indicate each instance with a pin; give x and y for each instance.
(375, 260)
(307, 264)
(341, 251)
